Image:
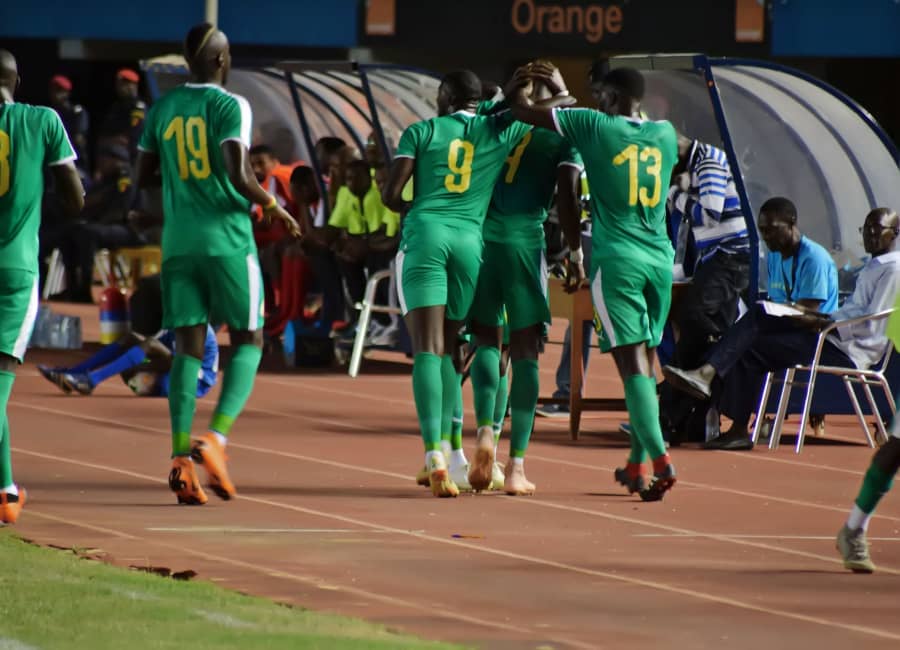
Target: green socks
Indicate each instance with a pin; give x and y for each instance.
(500, 406)
(183, 379)
(236, 387)
(448, 395)
(523, 399)
(6, 384)
(456, 424)
(485, 373)
(428, 394)
(6, 477)
(875, 485)
(643, 411)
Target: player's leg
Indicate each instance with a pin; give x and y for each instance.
(627, 323)
(422, 290)
(451, 380)
(500, 403)
(527, 312)
(236, 300)
(18, 309)
(851, 540)
(185, 309)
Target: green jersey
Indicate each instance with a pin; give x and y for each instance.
(30, 138)
(629, 165)
(204, 214)
(524, 191)
(458, 158)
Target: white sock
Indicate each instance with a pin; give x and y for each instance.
(518, 460)
(447, 450)
(858, 519)
(458, 459)
(223, 440)
(11, 489)
(435, 460)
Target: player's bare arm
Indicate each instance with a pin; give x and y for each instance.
(69, 188)
(537, 113)
(401, 172)
(568, 182)
(240, 173)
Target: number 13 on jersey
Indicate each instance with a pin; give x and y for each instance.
(630, 155)
(459, 160)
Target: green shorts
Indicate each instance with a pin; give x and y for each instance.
(631, 302)
(225, 290)
(515, 278)
(438, 265)
(18, 309)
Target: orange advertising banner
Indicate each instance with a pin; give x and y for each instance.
(749, 21)
(381, 17)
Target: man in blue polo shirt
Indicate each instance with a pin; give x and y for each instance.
(801, 273)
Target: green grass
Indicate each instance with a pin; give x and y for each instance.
(54, 599)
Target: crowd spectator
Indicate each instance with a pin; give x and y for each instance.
(103, 222)
(74, 118)
(125, 120)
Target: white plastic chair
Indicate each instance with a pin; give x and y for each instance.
(867, 378)
(366, 308)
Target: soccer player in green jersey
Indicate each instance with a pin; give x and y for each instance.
(628, 161)
(514, 276)
(454, 160)
(30, 138)
(196, 139)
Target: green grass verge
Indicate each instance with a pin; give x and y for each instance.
(53, 599)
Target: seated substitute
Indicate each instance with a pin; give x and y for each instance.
(774, 348)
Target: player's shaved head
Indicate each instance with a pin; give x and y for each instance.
(9, 72)
(207, 53)
(460, 89)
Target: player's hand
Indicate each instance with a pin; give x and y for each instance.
(683, 181)
(575, 276)
(520, 82)
(277, 213)
(549, 75)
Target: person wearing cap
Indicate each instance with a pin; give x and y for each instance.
(74, 117)
(125, 119)
(104, 220)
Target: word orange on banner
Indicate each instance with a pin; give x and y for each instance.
(592, 21)
(749, 21)
(381, 17)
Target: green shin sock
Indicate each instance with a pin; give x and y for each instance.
(183, 379)
(485, 373)
(523, 397)
(643, 411)
(448, 395)
(456, 426)
(236, 388)
(428, 394)
(875, 485)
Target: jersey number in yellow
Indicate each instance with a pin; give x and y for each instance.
(515, 159)
(190, 138)
(460, 178)
(4, 162)
(630, 155)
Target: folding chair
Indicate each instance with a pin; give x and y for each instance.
(366, 307)
(55, 281)
(867, 378)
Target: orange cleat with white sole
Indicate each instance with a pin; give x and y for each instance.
(422, 476)
(207, 451)
(439, 479)
(11, 506)
(183, 482)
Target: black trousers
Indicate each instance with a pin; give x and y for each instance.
(355, 277)
(756, 345)
(80, 244)
(328, 279)
(706, 312)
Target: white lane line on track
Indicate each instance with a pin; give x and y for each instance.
(641, 582)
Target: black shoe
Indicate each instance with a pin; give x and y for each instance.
(738, 441)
